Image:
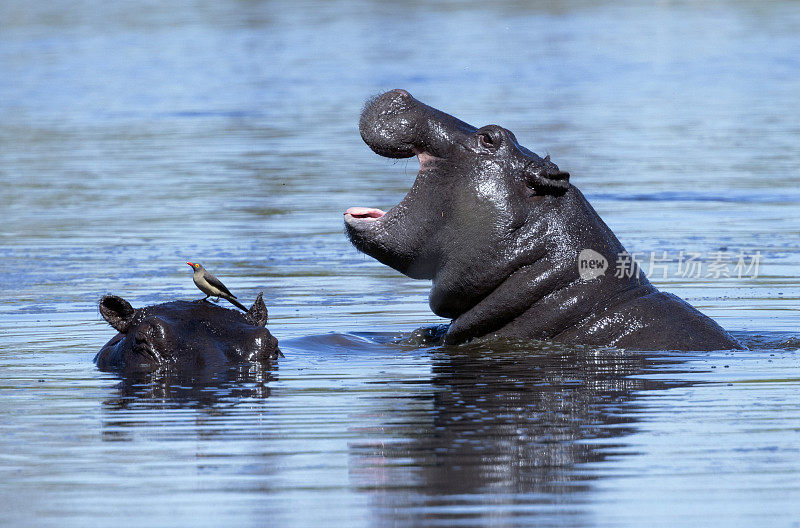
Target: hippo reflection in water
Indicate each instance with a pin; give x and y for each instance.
(184, 335)
(499, 230)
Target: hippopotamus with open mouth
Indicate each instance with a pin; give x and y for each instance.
(186, 336)
(499, 231)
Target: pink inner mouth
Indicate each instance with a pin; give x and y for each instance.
(366, 213)
(371, 213)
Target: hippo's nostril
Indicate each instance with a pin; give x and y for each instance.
(487, 140)
(391, 105)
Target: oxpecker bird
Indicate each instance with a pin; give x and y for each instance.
(212, 286)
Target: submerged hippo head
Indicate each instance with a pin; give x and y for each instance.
(185, 335)
(499, 230)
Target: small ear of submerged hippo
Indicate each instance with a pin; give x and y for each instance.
(117, 312)
(547, 178)
(257, 314)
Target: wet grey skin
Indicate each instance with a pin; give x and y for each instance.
(498, 229)
(187, 336)
(212, 286)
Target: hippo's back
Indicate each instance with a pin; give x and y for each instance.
(654, 321)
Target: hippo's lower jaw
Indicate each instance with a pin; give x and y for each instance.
(498, 230)
(398, 237)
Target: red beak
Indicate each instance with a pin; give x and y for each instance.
(189, 263)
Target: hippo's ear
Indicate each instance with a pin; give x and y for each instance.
(117, 312)
(547, 178)
(257, 314)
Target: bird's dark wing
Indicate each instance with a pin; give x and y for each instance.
(212, 280)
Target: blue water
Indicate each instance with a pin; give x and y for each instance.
(137, 136)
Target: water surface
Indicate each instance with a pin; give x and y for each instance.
(135, 137)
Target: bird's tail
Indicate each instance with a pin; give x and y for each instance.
(236, 303)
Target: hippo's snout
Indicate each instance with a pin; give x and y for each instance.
(386, 124)
(396, 125)
(264, 346)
